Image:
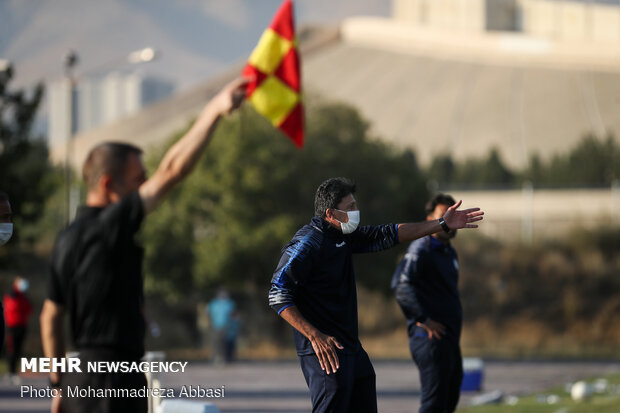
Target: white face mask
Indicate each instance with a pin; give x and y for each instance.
(351, 225)
(6, 231)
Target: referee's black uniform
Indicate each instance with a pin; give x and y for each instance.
(96, 276)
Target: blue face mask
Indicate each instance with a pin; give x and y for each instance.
(351, 225)
(22, 285)
(6, 231)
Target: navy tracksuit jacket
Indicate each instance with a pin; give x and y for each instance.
(315, 273)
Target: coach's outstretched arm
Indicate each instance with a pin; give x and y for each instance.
(181, 158)
(453, 219)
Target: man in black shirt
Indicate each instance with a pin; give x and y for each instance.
(96, 274)
(426, 287)
(313, 289)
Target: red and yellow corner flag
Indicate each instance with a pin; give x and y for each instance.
(275, 64)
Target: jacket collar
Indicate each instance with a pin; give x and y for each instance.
(324, 226)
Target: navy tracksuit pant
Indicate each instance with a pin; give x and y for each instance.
(352, 389)
(441, 371)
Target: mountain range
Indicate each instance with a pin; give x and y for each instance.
(195, 39)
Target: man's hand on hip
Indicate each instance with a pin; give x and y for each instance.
(433, 328)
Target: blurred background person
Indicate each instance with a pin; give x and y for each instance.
(221, 312)
(96, 274)
(17, 311)
(6, 232)
(234, 326)
(426, 287)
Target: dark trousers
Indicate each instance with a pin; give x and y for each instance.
(351, 389)
(14, 344)
(231, 346)
(441, 371)
(218, 342)
(87, 380)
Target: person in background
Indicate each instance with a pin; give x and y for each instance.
(221, 310)
(426, 287)
(96, 271)
(6, 232)
(17, 310)
(234, 326)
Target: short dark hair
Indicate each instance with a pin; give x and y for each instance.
(107, 158)
(4, 197)
(439, 199)
(330, 193)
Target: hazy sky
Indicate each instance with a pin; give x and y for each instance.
(196, 39)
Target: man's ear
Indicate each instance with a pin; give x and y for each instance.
(105, 183)
(108, 189)
(329, 217)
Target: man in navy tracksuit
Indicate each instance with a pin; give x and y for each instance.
(313, 289)
(426, 287)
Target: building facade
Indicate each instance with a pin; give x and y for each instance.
(98, 101)
(580, 21)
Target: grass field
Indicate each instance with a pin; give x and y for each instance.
(606, 402)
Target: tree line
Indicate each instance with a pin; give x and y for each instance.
(592, 163)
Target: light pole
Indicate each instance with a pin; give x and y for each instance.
(5, 74)
(145, 55)
(4, 65)
(71, 60)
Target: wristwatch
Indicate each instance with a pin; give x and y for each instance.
(443, 224)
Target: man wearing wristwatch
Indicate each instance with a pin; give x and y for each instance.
(426, 287)
(313, 289)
